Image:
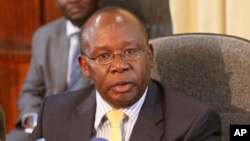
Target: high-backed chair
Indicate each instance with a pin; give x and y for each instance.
(155, 14)
(2, 125)
(210, 67)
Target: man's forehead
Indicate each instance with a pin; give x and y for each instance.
(113, 23)
(111, 17)
(100, 29)
(99, 41)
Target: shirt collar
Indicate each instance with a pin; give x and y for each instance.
(103, 107)
(71, 29)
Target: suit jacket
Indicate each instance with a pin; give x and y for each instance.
(48, 66)
(164, 116)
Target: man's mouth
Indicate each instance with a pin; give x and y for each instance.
(75, 9)
(122, 87)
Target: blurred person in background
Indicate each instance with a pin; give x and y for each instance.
(54, 67)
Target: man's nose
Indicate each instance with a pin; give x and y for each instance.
(119, 65)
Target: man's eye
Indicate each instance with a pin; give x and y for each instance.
(130, 51)
(103, 56)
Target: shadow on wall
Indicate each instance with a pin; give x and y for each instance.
(214, 69)
(154, 13)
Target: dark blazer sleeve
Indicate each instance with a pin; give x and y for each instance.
(206, 127)
(188, 119)
(37, 132)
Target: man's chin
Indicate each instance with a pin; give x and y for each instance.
(121, 104)
(77, 18)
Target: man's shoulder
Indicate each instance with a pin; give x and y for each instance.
(51, 27)
(178, 102)
(59, 100)
(186, 114)
(179, 106)
(83, 92)
(183, 101)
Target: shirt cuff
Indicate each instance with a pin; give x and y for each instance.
(25, 116)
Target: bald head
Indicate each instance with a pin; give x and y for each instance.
(109, 18)
(117, 56)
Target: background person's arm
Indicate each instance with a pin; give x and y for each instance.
(33, 89)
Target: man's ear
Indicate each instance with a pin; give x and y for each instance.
(151, 54)
(84, 66)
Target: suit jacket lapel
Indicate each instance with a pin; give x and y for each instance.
(81, 123)
(150, 125)
(60, 51)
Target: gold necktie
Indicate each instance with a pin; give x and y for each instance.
(116, 118)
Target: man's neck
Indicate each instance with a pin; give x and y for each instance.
(78, 23)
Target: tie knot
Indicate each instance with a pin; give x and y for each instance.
(115, 117)
(75, 34)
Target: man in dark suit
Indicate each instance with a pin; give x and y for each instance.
(50, 68)
(118, 58)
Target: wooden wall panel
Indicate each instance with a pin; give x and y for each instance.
(50, 11)
(14, 62)
(19, 19)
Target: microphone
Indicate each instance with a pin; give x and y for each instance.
(98, 139)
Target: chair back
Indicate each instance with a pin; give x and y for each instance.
(211, 67)
(150, 12)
